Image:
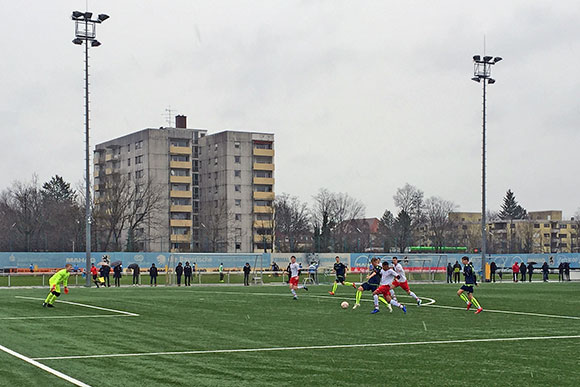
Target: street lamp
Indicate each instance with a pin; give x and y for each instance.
(86, 32)
(482, 74)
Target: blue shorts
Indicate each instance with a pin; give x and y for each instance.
(339, 279)
(369, 287)
(467, 288)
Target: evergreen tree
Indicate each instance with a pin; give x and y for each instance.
(510, 208)
(58, 190)
(403, 231)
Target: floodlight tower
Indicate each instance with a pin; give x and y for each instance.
(86, 32)
(482, 74)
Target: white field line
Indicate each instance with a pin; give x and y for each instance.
(84, 305)
(510, 312)
(314, 347)
(56, 373)
(56, 317)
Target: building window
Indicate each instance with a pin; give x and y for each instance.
(237, 144)
(546, 225)
(263, 145)
(263, 188)
(563, 226)
(215, 161)
(237, 159)
(215, 190)
(139, 160)
(512, 225)
(139, 174)
(238, 245)
(180, 187)
(238, 202)
(546, 235)
(215, 203)
(562, 236)
(179, 230)
(239, 217)
(238, 188)
(263, 160)
(129, 148)
(128, 162)
(182, 158)
(129, 176)
(266, 174)
(266, 217)
(536, 225)
(180, 142)
(139, 144)
(215, 175)
(263, 203)
(180, 201)
(179, 172)
(215, 147)
(237, 173)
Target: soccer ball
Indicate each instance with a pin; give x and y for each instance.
(344, 305)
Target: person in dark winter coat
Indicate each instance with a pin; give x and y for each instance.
(567, 271)
(247, 269)
(456, 272)
(179, 273)
(117, 274)
(187, 271)
(492, 270)
(530, 271)
(523, 271)
(153, 274)
(105, 270)
(545, 271)
(449, 273)
(561, 272)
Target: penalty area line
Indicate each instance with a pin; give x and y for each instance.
(314, 347)
(84, 305)
(52, 371)
(53, 317)
(509, 312)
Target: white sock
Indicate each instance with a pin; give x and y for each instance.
(414, 296)
(293, 292)
(393, 294)
(395, 303)
(376, 298)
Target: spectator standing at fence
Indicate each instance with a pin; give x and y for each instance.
(515, 271)
(136, 272)
(530, 271)
(31, 268)
(449, 273)
(247, 270)
(221, 270)
(567, 271)
(153, 274)
(523, 271)
(179, 273)
(456, 272)
(313, 272)
(187, 271)
(545, 271)
(561, 272)
(95, 274)
(117, 274)
(105, 270)
(492, 270)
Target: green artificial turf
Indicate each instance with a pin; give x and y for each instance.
(172, 319)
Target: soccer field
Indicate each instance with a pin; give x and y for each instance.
(528, 334)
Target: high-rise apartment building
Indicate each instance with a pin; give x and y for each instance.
(177, 189)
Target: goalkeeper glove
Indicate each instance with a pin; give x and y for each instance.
(65, 290)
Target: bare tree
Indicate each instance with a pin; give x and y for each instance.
(291, 222)
(216, 221)
(410, 199)
(437, 220)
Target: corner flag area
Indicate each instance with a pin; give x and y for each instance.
(528, 334)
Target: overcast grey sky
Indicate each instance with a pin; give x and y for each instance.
(363, 96)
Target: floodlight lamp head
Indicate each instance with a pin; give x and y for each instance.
(88, 15)
(78, 41)
(491, 81)
(77, 15)
(476, 79)
(497, 59)
(95, 43)
(102, 17)
(476, 58)
(487, 59)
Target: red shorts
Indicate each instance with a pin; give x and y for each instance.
(402, 285)
(384, 290)
(294, 281)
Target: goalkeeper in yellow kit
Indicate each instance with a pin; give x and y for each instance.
(60, 277)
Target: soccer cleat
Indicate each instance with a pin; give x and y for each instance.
(479, 310)
(354, 285)
(468, 305)
(295, 297)
(376, 310)
(356, 306)
(49, 306)
(44, 304)
(305, 288)
(419, 302)
(331, 293)
(404, 309)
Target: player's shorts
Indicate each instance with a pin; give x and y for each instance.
(294, 281)
(467, 288)
(402, 285)
(369, 287)
(340, 279)
(384, 290)
(57, 286)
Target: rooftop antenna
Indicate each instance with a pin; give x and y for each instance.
(169, 116)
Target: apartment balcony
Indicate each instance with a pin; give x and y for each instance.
(97, 187)
(180, 222)
(263, 167)
(180, 179)
(108, 171)
(108, 157)
(262, 238)
(180, 164)
(179, 194)
(263, 210)
(180, 238)
(263, 195)
(263, 224)
(180, 150)
(97, 171)
(97, 160)
(264, 180)
(180, 208)
(263, 152)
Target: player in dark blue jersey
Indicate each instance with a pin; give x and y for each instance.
(470, 282)
(372, 283)
(340, 270)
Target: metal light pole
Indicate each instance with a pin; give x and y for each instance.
(86, 32)
(482, 73)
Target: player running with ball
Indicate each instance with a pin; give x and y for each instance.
(59, 277)
(388, 275)
(294, 277)
(402, 281)
(372, 283)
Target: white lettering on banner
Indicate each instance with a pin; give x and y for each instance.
(138, 258)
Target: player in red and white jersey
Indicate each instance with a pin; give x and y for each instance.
(402, 281)
(388, 276)
(294, 273)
